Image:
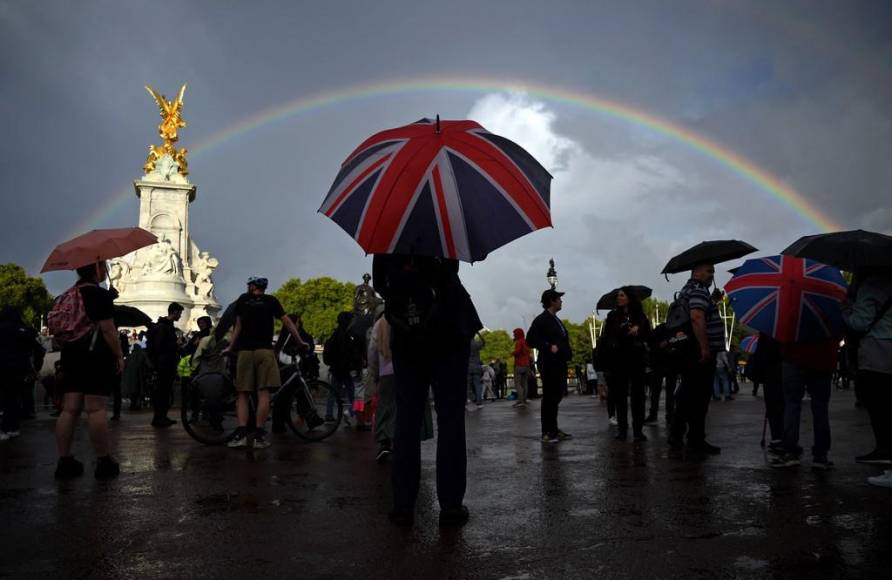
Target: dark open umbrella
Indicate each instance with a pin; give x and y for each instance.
(850, 251)
(711, 252)
(130, 316)
(608, 301)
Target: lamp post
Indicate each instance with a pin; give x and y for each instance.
(551, 276)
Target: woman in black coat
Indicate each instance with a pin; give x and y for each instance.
(624, 359)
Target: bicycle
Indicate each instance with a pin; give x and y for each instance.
(208, 408)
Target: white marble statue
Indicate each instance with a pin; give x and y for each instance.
(119, 274)
(165, 259)
(204, 267)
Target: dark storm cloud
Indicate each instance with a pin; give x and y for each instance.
(799, 88)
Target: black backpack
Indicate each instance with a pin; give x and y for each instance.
(411, 306)
(681, 340)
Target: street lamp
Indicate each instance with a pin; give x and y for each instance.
(551, 276)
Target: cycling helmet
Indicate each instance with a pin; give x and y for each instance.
(261, 283)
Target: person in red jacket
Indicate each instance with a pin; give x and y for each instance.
(521, 367)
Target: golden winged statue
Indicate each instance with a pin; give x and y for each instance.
(167, 130)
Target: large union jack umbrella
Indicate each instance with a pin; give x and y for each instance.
(790, 299)
(450, 189)
(749, 343)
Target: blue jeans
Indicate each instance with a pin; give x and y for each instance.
(722, 383)
(796, 381)
(476, 380)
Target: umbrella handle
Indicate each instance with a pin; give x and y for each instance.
(438, 124)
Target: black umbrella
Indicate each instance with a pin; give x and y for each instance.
(608, 301)
(130, 316)
(850, 251)
(712, 252)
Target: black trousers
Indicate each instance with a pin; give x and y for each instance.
(11, 400)
(876, 394)
(163, 391)
(416, 369)
(692, 402)
(774, 407)
(622, 383)
(554, 385)
(657, 381)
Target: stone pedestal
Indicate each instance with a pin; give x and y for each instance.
(174, 269)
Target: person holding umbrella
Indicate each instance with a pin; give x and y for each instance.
(697, 363)
(420, 198)
(432, 320)
(82, 322)
(623, 353)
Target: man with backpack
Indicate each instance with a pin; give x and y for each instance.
(257, 369)
(697, 334)
(432, 320)
(82, 323)
(164, 355)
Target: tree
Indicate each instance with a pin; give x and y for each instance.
(27, 293)
(580, 342)
(318, 301)
(499, 344)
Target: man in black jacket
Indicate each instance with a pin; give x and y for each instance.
(548, 335)
(164, 355)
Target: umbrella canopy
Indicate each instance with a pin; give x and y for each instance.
(97, 246)
(749, 343)
(850, 251)
(130, 316)
(608, 301)
(449, 189)
(711, 252)
(789, 299)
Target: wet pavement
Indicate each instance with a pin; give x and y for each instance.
(583, 508)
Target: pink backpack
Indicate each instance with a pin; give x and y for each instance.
(68, 321)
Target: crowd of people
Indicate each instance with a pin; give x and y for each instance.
(423, 339)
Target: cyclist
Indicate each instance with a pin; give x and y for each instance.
(257, 368)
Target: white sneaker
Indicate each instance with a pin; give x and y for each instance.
(884, 480)
(614, 421)
(15, 433)
(4, 436)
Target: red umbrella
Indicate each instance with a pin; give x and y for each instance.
(97, 246)
(439, 188)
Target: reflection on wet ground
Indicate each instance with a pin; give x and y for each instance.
(587, 507)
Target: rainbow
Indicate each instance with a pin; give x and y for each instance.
(786, 195)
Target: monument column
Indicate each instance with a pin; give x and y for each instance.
(173, 270)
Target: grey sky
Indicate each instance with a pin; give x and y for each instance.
(800, 88)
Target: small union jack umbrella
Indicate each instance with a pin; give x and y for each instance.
(790, 299)
(749, 343)
(449, 189)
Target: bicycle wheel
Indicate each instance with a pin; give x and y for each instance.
(208, 409)
(308, 410)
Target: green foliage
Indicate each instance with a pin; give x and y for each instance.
(318, 301)
(27, 293)
(580, 342)
(499, 344)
